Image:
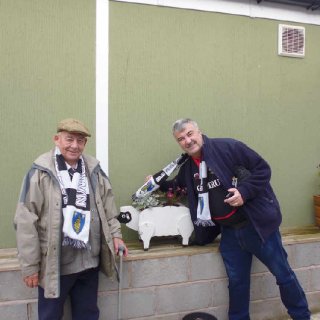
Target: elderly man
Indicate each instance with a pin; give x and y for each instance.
(66, 226)
(228, 189)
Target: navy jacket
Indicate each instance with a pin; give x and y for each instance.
(223, 156)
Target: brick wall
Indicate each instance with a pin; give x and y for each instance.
(169, 281)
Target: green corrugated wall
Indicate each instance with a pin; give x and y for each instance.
(47, 73)
(222, 70)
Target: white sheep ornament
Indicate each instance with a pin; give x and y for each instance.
(160, 221)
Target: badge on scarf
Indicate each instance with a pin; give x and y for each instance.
(78, 220)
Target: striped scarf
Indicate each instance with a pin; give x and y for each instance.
(203, 210)
(75, 202)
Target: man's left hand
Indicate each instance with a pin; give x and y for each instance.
(235, 199)
(117, 243)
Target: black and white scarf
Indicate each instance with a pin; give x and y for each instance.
(203, 210)
(75, 202)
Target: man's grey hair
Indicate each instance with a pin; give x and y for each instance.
(180, 124)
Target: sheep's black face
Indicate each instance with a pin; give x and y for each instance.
(124, 217)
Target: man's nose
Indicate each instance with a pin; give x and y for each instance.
(74, 144)
(187, 140)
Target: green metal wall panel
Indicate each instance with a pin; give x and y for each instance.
(47, 72)
(223, 71)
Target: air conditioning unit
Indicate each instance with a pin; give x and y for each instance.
(291, 41)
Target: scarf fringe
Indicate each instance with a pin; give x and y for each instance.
(77, 244)
(204, 223)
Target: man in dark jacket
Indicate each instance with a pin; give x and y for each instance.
(228, 189)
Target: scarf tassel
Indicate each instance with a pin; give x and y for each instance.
(204, 223)
(77, 244)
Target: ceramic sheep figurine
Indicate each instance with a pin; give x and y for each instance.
(160, 221)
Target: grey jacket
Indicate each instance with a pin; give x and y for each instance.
(38, 221)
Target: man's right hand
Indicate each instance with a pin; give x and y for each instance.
(32, 281)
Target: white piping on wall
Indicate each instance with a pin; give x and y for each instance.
(102, 82)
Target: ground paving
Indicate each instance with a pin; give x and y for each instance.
(315, 316)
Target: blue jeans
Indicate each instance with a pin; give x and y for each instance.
(237, 248)
(83, 290)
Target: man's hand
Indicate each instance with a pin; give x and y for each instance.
(117, 242)
(235, 199)
(32, 281)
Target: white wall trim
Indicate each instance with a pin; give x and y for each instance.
(248, 8)
(102, 82)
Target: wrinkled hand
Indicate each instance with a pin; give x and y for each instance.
(32, 281)
(236, 199)
(117, 242)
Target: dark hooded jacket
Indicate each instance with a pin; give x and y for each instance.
(224, 157)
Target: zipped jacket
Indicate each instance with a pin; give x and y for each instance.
(38, 221)
(223, 156)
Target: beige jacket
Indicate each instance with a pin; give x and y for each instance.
(38, 221)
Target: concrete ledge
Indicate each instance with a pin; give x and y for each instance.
(9, 260)
(171, 247)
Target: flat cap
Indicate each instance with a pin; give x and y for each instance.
(73, 125)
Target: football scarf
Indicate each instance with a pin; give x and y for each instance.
(75, 202)
(203, 210)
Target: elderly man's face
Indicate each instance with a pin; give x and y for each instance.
(190, 140)
(71, 146)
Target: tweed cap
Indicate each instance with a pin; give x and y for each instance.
(73, 125)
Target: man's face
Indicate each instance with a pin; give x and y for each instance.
(71, 145)
(190, 140)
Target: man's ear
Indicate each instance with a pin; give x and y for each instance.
(56, 139)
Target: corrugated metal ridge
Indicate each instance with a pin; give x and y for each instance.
(309, 5)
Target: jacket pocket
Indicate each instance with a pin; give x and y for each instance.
(67, 255)
(95, 233)
(269, 200)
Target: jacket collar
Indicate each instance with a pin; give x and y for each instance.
(46, 162)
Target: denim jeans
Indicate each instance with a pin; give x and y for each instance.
(237, 248)
(83, 290)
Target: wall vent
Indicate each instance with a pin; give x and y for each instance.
(291, 41)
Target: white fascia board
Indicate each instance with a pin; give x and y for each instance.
(248, 8)
(102, 82)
